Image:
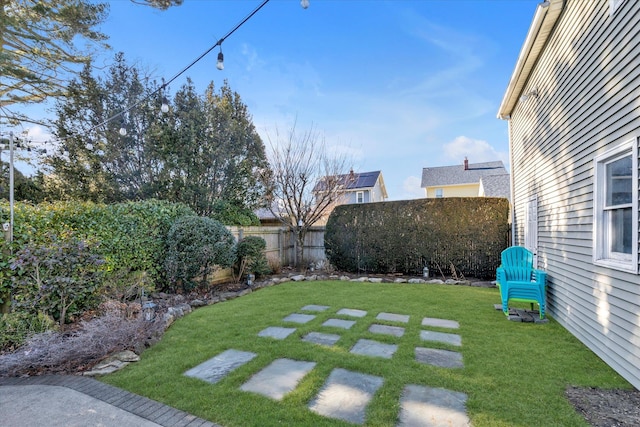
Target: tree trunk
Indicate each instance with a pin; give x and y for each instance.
(299, 248)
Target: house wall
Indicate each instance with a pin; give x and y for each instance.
(465, 190)
(588, 82)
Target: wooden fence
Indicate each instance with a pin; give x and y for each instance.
(281, 243)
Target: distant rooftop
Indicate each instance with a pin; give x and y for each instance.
(496, 186)
(353, 181)
(458, 175)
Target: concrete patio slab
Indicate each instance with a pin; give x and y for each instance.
(439, 357)
(374, 348)
(276, 332)
(453, 339)
(345, 395)
(322, 339)
(339, 323)
(432, 407)
(392, 317)
(218, 367)
(396, 331)
(299, 318)
(440, 323)
(279, 378)
(352, 312)
(314, 307)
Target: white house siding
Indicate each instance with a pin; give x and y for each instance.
(588, 80)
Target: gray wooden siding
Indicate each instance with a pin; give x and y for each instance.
(588, 80)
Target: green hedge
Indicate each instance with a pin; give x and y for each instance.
(405, 236)
(130, 236)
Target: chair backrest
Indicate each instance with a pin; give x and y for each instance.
(518, 263)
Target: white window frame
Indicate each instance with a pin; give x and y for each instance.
(601, 240)
(359, 196)
(439, 193)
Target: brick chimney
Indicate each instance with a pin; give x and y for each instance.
(466, 164)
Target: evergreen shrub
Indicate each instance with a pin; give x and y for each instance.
(406, 236)
(195, 247)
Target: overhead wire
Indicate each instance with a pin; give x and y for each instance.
(166, 83)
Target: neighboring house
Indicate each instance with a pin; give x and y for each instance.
(466, 180)
(361, 187)
(574, 123)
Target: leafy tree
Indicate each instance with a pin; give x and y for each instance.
(303, 183)
(159, 4)
(204, 150)
(41, 49)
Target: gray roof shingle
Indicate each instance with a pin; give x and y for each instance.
(496, 186)
(457, 175)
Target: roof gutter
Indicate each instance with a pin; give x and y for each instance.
(544, 20)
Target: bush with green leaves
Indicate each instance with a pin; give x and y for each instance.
(196, 246)
(17, 326)
(131, 235)
(231, 214)
(251, 257)
(59, 278)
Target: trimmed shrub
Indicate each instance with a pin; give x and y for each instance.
(195, 247)
(405, 236)
(231, 214)
(251, 257)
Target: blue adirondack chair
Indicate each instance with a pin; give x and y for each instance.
(519, 281)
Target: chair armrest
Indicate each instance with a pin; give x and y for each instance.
(501, 275)
(541, 276)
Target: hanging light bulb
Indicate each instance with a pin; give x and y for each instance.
(220, 64)
(165, 105)
(304, 4)
(122, 131)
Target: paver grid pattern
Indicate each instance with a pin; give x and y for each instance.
(345, 394)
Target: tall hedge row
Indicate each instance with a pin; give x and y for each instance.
(131, 236)
(405, 236)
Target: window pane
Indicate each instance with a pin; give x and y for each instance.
(618, 182)
(621, 230)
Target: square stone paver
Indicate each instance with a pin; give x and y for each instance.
(345, 395)
(441, 323)
(352, 312)
(216, 368)
(438, 357)
(396, 331)
(313, 307)
(374, 348)
(276, 332)
(453, 339)
(392, 317)
(320, 338)
(432, 407)
(299, 318)
(279, 378)
(339, 323)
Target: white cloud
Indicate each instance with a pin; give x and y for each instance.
(475, 150)
(411, 188)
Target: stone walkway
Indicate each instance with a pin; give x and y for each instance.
(346, 394)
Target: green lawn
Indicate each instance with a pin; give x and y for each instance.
(514, 374)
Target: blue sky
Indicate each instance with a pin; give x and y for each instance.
(399, 85)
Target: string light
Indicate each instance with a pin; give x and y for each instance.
(165, 103)
(220, 64)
